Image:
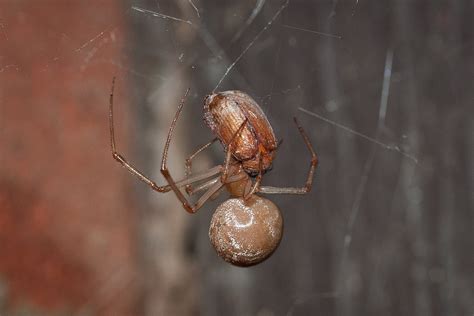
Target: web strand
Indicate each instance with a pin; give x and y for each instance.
(195, 8)
(258, 7)
(161, 15)
(251, 44)
(368, 138)
(311, 31)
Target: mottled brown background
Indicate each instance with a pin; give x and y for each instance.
(379, 235)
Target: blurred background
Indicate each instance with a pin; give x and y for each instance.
(383, 88)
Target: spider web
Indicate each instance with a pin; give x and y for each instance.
(363, 236)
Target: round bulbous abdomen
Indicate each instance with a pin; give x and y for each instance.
(245, 233)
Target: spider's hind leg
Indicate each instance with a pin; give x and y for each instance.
(309, 180)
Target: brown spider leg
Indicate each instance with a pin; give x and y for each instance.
(258, 179)
(117, 156)
(228, 156)
(207, 195)
(217, 193)
(228, 160)
(309, 180)
(188, 162)
(204, 186)
(133, 170)
(164, 169)
(236, 177)
(200, 176)
(214, 187)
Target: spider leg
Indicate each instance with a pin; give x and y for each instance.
(207, 195)
(213, 186)
(188, 162)
(228, 156)
(258, 180)
(118, 157)
(203, 186)
(165, 172)
(217, 193)
(309, 181)
(133, 170)
(237, 176)
(198, 177)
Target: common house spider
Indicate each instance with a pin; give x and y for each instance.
(246, 228)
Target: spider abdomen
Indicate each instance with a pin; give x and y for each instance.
(225, 112)
(245, 233)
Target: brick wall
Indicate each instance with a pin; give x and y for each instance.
(67, 230)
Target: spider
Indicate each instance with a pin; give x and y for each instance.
(246, 228)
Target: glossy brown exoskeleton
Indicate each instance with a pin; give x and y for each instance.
(225, 112)
(247, 228)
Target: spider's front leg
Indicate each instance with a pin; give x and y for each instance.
(211, 185)
(189, 162)
(118, 157)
